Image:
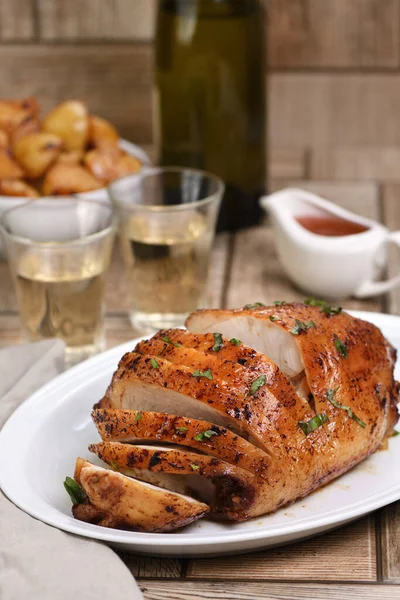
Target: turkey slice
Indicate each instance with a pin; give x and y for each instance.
(121, 502)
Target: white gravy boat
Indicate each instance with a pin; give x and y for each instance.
(329, 266)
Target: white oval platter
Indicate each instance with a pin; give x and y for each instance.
(41, 440)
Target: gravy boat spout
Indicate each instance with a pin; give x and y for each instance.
(327, 250)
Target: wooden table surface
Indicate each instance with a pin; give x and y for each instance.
(361, 560)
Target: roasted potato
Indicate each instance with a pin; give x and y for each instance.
(14, 112)
(68, 179)
(107, 164)
(8, 167)
(30, 105)
(73, 157)
(101, 132)
(36, 152)
(70, 121)
(17, 187)
(28, 126)
(3, 139)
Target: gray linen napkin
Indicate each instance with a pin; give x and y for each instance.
(38, 562)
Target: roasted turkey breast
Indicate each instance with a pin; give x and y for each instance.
(247, 411)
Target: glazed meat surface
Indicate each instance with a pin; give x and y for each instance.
(246, 411)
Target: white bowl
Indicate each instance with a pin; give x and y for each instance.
(7, 202)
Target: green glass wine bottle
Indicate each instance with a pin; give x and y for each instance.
(210, 97)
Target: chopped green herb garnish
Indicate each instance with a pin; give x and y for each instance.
(395, 433)
(314, 302)
(254, 305)
(328, 310)
(272, 318)
(259, 382)
(302, 326)
(217, 342)
(235, 341)
(325, 308)
(195, 467)
(114, 465)
(167, 340)
(279, 302)
(341, 347)
(75, 492)
(205, 435)
(331, 397)
(181, 429)
(207, 374)
(138, 417)
(314, 423)
(154, 363)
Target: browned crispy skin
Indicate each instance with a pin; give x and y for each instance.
(235, 494)
(363, 380)
(140, 426)
(125, 503)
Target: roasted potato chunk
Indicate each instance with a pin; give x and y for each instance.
(70, 158)
(107, 164)
(36, 152)
(27, 127)
(14, 112)
(30, 105)
(68, 179)
(70, 121)
(3, 139)
(16, 187)
(8, 167)
(101, 132)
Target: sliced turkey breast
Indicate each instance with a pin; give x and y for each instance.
(141, 426)
(230, 491)
(215, 347)
(348, 365)
(138, 385)
(284, 409)
(118, 501)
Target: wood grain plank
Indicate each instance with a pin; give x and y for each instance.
(149, 567)
(115, 80)
(17, 20)
(390, 543)
(349, 551)
(391, 211)
(323, 110)
(226, 590)
(96, 19)
(333, 33)
(356, 163)
(357, 196)
(288, 162)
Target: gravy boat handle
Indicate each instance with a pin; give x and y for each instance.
(373, 288)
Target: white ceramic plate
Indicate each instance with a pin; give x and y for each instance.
(40, 442)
